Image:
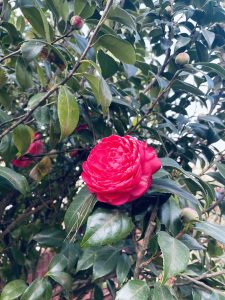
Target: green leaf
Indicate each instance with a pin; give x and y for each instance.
(161, 292)
(84, 9)
(35, 99)
(23, 76)
(40, 289)
(31, 49)
(108, 65)
(38, 21)
(171, 186)
(101, 91)
(221, 169)
(3, 77)
(87, 259)
(57, 264)
(23, 135)
(64, 279)
(106, 227)
(13, 290)
(105, 96)
(175, 255)
(186, 87)
(214, 230)
(202, 51)
(182, 42)
(59, 7)
(190, 242)
(123, 267)
(134, 290)
(120, 48)
(214, 67)
(122, 16)
(105, 262)
(209, 36)
(13, 179)
(79, 210)
(50, 237)
(68, 112)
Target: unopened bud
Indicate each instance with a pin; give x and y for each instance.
(77, 22)
(182, 59)
(188, 214)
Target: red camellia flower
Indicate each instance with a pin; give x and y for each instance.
(119, 169)
(36, 148)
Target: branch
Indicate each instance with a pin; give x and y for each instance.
(76, 66)
(147, 237)
(28, 212)
(203, 285)
(154, 104)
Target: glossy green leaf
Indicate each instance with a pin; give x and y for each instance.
(57, 264)
(14, 180)
(51, 237)
(23, 135)
(40, 289)
(186, 87)
(79, 210)
(182, 42)
(68, 112)
(167, 185)
(87, 259)
(221, 169)
(123, 267)
(106, 227)
(31, 49)
(64, 279)
(23, 75)
(105, 262)
(39, 22)
(209, 36)
(134, 290)
(214, 230)
(13, 290)
(121, 16)
(120, 48)
(108, 65)
(219, 70)
(162, 292)
(175, 255)
(35, 99)
(101, 91)
(84, 9)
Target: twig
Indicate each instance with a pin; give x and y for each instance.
(9, 55)
(52, 153)
(76, 66)
(206, 275)
(147, 237)
(203, 284)
(22, 217)
(153, 104)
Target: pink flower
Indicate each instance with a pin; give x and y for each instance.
(119, 169)
(35, 148)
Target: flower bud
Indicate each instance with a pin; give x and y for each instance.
(182, 59)
(188, 214)
(73, 153)
(77, 22)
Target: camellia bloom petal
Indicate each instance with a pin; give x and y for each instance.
(35, 148)
(119, 169)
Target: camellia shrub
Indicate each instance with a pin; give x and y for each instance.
(111, 149)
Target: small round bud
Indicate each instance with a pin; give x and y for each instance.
(73, 153)
(77, 22)
(182, 59)
(188, 214)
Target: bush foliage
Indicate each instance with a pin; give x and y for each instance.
(119, 74)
